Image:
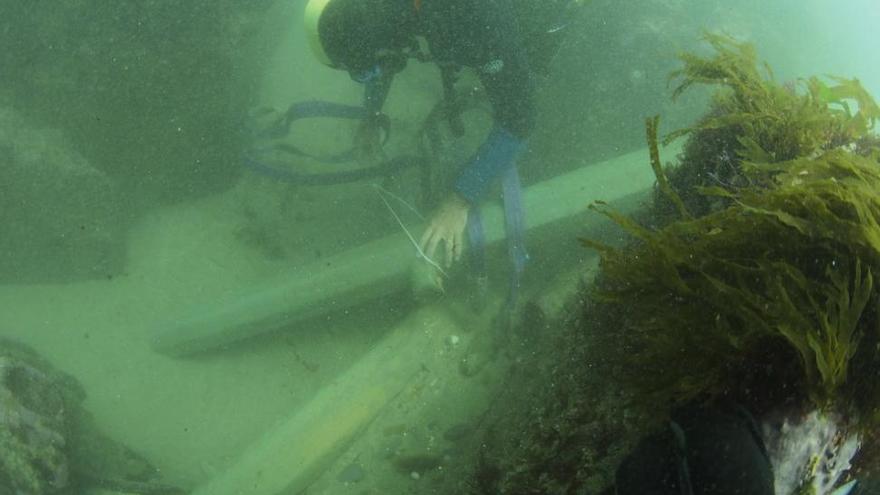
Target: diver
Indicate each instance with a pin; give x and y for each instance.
(373, 39)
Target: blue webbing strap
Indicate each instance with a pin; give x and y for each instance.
(477, 241)
(307, 110)
(514, 226)
(259, 158)
(310, 109)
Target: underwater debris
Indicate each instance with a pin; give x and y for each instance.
(458, 431)
(353, 473)
(418, 463)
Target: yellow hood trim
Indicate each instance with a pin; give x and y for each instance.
(312, 17)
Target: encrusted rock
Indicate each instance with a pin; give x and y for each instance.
(49, 444)
(61, 216)
(36, 408)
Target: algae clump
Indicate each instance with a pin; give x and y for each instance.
(755, 119)
(751, 278)
(775, 122)
(757, 282)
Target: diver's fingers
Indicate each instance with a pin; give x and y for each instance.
(431, 246)
(423, 242)
(458, 247)
(449, 244)
(426, 236)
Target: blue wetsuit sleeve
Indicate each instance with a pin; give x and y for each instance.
(495, 155)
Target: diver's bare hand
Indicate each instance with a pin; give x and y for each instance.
(447, 226)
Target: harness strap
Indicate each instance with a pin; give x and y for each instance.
(312, 109)
(448, 75)
(264, 159)
(514, 226)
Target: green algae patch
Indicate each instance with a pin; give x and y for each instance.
(766, 237)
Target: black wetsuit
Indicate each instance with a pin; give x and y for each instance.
(485, 36)
(706, 450)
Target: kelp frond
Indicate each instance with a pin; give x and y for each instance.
(651, 125)
(774, 122)
(792, 260)
(789, 259)
(846, 90)
(734, 65)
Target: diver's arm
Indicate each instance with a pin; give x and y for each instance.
(376, 91)
(367, 139)
(497, 153)
(509, 87)
(511, 97)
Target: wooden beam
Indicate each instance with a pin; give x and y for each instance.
(380, 268)
(291, 456)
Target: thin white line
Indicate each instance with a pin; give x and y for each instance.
(402, 226)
